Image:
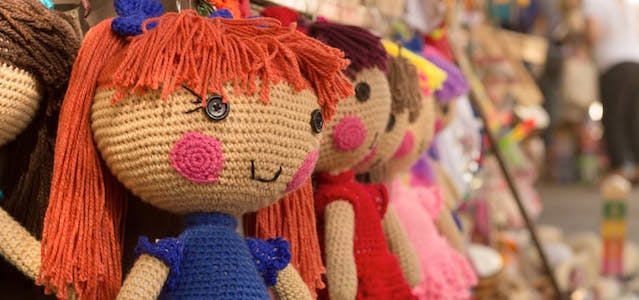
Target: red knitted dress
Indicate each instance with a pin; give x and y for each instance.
(378, 273)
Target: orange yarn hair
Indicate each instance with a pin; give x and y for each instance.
(293, 218)
(206, 53)
(232, 5)
(82, 237)
(81, 240)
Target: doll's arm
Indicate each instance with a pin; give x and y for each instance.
(157, 265)
(447, 228)
(18, 246)
(341, 270)
(290, 285)
(399, 245)
(146, 279)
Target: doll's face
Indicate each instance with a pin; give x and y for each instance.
(358, 125)
(416, 140)
(182, 157)
(389, 141)
(19, 100)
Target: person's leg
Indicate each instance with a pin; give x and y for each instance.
(614, 112)
(631, 80)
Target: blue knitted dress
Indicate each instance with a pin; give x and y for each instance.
(216, 262)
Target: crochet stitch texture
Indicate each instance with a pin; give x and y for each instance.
(378, 273)
(217, 263)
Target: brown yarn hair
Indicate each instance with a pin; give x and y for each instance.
(404, 84)
(364, 49)
(43, 43)
(81, 243)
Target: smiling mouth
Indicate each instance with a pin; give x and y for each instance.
(275, 177)
(374, 141)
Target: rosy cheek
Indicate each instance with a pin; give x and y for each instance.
(349, 134)
(197, 157)
(303, 172)
(406, 146)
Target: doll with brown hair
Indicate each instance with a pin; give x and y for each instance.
(206, 117)
(37, 49)
(358, 262)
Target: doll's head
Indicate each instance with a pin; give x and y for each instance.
(405, 107)
(360, 120)
(37, 49)
(191, 114)
(416, 140)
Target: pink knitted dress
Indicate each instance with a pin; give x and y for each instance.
(445, 273)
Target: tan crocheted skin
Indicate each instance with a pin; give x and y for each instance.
(19, 99)
(423, 130)
(136, 134)
(374, 115)
(389, 141)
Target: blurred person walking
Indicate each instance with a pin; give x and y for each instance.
(614, 39)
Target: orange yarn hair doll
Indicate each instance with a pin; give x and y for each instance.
(359, 264)
(206, 117)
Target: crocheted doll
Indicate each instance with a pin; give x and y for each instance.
(205, 117)
(445, 273)
(405, 106)
(37, 49)
(358, 262)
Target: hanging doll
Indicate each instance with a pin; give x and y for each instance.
(358, 262)
(206, 117)
(405, 107)
(445, 273)
(37, 49)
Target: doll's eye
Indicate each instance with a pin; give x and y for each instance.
(216, 109)
(317, 121)
(391, 123)
(362, 91)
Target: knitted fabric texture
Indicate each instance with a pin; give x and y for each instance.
(373, 114)
(217, 263)
(422, 131)
(405, 90)
(455, 84)
(378, 273)
(270, 256)
(228, 44)
(19, 92)
(293, 218)
(132, 13)
(169, 250)
(37, 49)
(363, 48)
(445, 273)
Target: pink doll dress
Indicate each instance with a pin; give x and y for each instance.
(445, 273)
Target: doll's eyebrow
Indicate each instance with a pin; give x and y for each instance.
(190, 90)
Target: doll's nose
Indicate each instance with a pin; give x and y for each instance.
(349, 133)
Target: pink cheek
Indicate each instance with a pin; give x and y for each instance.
(349, 134)
(406, 146)
(198, 157)
(303, 172)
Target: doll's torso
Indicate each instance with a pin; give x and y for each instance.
(216, 262)
(445, 273)
(378, 271)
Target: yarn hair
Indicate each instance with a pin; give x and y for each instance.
(404, 84)
(363, 48)
(43, 43)
(206, 53)
(82, 234)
